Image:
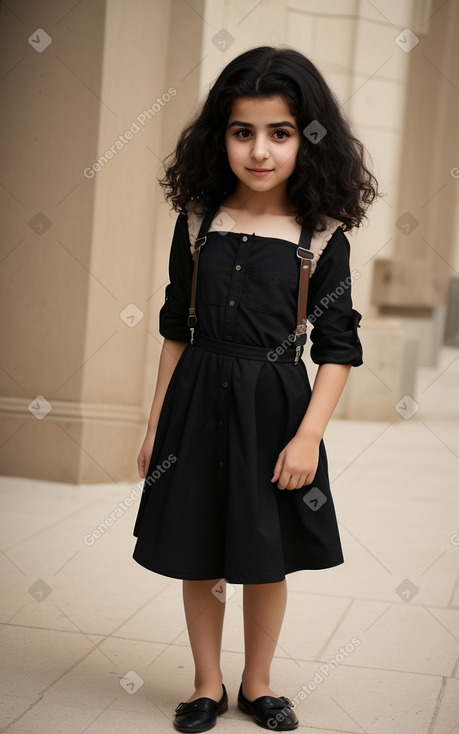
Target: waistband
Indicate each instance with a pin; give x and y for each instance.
(247, 351)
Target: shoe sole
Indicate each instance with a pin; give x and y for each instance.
(246, 710)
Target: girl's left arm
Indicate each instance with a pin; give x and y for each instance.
(328, 385)
(335, 348)
(297, 463)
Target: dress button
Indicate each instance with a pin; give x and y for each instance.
(221, 424)
(245, 238)
(225, 383)
(221, 463)
(238, 267)
(232, 303)
(229, 338)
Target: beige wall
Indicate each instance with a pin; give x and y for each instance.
(63, 289)
(108, 238)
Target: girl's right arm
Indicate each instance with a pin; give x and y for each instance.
(170, 354)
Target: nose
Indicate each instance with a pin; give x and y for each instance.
(260, 148)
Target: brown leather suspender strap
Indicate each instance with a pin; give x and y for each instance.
(317, 242)
(306, 257)
(197, 244)
(309, 255)
(192, 318)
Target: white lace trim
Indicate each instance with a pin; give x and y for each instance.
(319, 240)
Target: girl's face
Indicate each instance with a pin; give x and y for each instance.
(262, 140)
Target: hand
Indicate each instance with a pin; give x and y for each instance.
(143, 459)
(297, 463)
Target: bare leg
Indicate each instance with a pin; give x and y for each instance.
(204, 614)
(264, 608)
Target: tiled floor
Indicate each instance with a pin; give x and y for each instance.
(91, 642)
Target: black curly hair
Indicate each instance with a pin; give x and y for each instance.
(330, 178)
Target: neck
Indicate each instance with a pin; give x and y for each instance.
(259, 202)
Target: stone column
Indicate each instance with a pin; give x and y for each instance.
(88, 98)
(413, 283)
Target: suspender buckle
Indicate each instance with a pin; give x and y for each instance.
(300, 341)
(200, 241)
(304, 254)
(192, 321)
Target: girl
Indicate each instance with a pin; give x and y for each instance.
(236, 480)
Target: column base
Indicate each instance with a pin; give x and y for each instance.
(76, 443)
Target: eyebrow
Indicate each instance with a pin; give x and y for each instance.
(285, 123)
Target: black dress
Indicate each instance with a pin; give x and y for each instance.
(208, 509)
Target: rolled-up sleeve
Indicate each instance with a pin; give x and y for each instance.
(173, 315)
(335, 322)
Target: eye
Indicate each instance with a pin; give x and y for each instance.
(244, 133)
(244, 130)
(283, 133)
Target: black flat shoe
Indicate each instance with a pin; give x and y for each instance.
(269, 712)
(201, 714)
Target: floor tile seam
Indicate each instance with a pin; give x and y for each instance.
(370, 667)
(301, 727)
(52, 629)
(105, 635)
(23, 713)
(453, 593)
(51, 525)
(108, 635)
(101, 713)
(70, 668)
(62, 675)
(437, 705)
(379, 600)
(228, 651)
(42, 693)
(335, 628)
(45, 690)
(71, 704)
(8, 622)
(142, 606)
(85, 633)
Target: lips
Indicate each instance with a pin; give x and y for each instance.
(260, 172)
